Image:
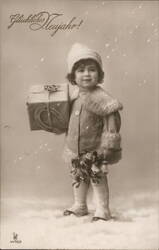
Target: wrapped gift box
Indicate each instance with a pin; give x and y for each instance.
(48, 108)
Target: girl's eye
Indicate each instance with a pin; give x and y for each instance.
(80, 70)
(92, 69)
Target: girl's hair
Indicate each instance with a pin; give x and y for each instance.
(71, 76)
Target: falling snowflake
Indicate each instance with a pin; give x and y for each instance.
(42, 59)
(20, 158)
(107, 45)
(148, 40)
(108, 57)
(124, 55)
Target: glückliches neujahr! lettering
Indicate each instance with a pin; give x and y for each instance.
(45, 21)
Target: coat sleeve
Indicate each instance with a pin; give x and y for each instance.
(111, 139)
(103, 104)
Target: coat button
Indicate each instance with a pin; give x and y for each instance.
(77, 112)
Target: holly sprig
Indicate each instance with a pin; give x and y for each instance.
(82, 168)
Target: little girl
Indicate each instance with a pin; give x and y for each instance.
(93, 139)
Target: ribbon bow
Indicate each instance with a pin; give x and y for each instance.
(52, 88)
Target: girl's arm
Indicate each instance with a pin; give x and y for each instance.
(111, 139)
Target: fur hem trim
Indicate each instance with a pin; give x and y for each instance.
(115, 156)
(68, 155)
(101, 103)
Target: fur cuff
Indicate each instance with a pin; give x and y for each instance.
(111, 141)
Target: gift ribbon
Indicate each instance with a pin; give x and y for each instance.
(51, 89)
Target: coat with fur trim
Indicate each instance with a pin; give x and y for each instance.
(94, 125)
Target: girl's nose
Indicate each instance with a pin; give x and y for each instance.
(86, 72)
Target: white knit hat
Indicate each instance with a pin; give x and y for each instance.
(79, 52)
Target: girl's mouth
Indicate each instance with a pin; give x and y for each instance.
(87, 80)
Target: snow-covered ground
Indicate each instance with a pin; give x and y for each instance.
(40, 224)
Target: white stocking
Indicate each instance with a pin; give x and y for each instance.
(101, 193)
(80, 200)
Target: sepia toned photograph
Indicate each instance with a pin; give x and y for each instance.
(79, 133)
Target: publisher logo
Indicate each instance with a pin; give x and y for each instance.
(15, 238)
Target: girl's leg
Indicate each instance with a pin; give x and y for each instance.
(79, 207)
(101, 193)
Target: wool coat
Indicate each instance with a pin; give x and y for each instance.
(94, 125)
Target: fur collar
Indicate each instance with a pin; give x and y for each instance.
(97, 101)
(73, 92)
(101, 103)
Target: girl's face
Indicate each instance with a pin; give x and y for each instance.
(86, 75)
